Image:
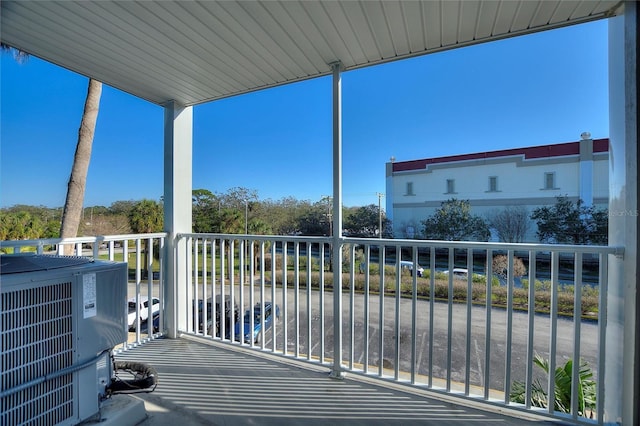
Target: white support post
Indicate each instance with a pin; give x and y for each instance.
(622, 346)
(178, 141)
(337, 370)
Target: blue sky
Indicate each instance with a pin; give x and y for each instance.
(539, 89)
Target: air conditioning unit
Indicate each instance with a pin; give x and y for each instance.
(60, 318)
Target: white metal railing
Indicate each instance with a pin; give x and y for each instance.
(145, 280)
(438, 331)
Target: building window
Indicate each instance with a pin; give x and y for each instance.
(550, 180)
(409, 188)
(493, 183)
(451, 186)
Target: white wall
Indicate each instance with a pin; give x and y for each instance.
(519, 182)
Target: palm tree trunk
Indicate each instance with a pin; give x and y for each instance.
(77, 181)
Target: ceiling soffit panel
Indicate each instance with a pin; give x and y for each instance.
(414, 13)
(469, 14)
(433, 27)
(450, 22)
(193, 52)
(487, 13)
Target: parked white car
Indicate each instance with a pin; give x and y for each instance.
(406, 264)
(459, 273)
(143, 308)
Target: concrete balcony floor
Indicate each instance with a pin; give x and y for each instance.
(209, 383)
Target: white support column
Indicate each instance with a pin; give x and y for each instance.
(390, 195)
(178, 137)
(622, 346)
(337, 372)
(585, 181)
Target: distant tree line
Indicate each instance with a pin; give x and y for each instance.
(566, 222)
(239, 210)
(234, 212)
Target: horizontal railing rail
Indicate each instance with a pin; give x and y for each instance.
(462, 318)
(144, 254)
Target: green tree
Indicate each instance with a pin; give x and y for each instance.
(146, 217)
(20, 225)
(122, 207)
(258, 226)
(206, 217)
(568, 222)
(282, 215)
(365, 221)
(453, 221)
(231, 221)
(315, 221)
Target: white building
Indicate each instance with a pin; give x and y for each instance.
(530, 177)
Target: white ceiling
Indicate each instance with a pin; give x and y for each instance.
(192, 52)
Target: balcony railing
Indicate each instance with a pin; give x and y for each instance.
(476, 336)
(366, 311)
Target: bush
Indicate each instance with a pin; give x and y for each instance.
(589, 306)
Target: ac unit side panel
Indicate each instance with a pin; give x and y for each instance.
(101, 301)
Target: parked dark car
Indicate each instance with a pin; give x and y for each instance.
(230, 310)
(198, 314)
(254, 335)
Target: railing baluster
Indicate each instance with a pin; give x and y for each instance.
(487, 340)
(467, 367)
(205, 305)
(553, 332)
(352, 284)
(432, 294)
(531, 327)
(232, 290)
(149, 286)
(214, 314)
(381, 263)
(242, 269)
(321, 290)
(414, 314)
(189, 279)
(367, 278)
(396, 327)
(274, 284)
(285, 308)
(577, 322)
(138, 295)
(296, 295)
(161, 279)
(309, 307)
(223, 268)
(194, 302)
(509, 331)
(450, 317)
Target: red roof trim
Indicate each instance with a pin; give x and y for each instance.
(542, 151)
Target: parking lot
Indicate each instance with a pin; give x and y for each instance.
(366, 347)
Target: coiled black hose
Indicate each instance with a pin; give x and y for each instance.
(145, 378)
